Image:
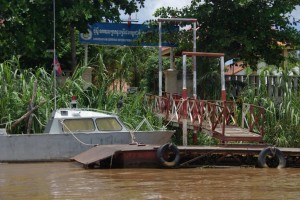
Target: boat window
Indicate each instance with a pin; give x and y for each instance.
(108, 124)
(78, 125)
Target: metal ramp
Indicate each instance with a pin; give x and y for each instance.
(96, 153)
(102, 152)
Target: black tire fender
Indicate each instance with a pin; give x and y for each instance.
(163, 152)
(274, 152)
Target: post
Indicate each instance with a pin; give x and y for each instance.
(184, 105)
(160, 20)
(223, 90)
(160, 62)
(194, 63)
(194, 77)
(184, 72)
(85, 54)
(54, 54)
(171, 58)
(31, 105)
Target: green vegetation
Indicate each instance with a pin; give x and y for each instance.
(282, 121)
(248, 31)
(31, 23)
(244, 30)
(17, 89)
(282, 118)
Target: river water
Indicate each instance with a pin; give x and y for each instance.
(68, 180)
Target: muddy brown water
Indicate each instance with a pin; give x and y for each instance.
(67, 180)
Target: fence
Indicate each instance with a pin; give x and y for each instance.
(273, 84)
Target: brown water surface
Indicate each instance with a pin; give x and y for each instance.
(70, 181)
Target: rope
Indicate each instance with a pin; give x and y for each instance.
(111, 161)
(192, 160)
(133, 139)
(37, 119)
(77, 137)
(273, 150)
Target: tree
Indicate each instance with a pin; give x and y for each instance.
(245, 29)
(126, 64)
(248, 30)
(28, 26)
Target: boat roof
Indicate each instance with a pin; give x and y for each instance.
(63, 113)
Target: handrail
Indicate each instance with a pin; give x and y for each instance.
(253, 118)
(214, 115)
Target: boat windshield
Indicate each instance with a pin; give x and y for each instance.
(108, 124)
(78, 125)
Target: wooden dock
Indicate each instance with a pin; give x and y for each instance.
(250, 155)
(218, 119)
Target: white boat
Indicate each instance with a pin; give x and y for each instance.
(72, 131)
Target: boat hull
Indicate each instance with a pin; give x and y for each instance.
(61, 147)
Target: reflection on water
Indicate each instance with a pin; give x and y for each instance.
(70, 181)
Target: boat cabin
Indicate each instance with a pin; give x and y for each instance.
(74, 120)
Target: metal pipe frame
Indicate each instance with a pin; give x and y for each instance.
(212, 55)
(160, 20)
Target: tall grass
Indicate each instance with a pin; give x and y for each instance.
(17, 87)
(16, 91)
(282, 119)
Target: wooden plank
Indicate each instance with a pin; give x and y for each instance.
(232, 133)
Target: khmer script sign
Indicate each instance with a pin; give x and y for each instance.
(117, 34)
(112, 34)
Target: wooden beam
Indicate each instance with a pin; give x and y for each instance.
(177, 20)
(203, 54)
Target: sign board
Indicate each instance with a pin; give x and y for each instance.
(115, 34)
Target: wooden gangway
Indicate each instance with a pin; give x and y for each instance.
(215, 117)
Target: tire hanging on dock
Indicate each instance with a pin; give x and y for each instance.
(168, 155)
(271, 157)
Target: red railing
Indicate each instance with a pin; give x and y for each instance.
(213, 115)
(219, 114)
(253, 118)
